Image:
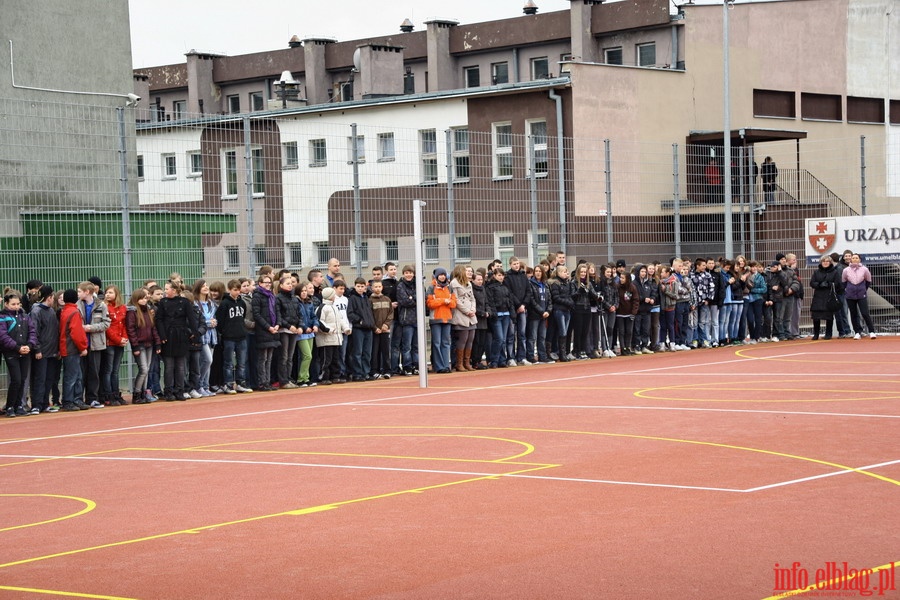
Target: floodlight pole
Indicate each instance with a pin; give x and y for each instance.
(726, 126)
(420, 292)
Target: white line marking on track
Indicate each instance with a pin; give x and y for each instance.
(822, 476)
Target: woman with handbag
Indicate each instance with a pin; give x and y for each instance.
(827, 286)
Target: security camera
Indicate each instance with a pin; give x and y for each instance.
(760, 209)
(132, 99)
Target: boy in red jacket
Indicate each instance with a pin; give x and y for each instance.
(73, 344)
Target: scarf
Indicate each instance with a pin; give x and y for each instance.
(270, 297)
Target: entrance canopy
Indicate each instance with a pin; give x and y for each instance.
(745, 136)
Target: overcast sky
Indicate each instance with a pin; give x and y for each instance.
(162, 31)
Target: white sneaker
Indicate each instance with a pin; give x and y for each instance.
(511, 363)
(672, 347)
(646, 351)
(609, 354)
(195, 394)
(856, 337)
(526, 363)
(241, 389)
(872, 335)
(774, 339)
(97, 404)
(230, 390)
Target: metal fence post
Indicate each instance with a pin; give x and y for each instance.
(676, 200)
(862, 174)
(420, 292)
(532, 180)
(357, 209)
(248, 187)
(609, 225)
(751, 164)
(451, 208)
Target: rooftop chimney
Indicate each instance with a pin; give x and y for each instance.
(406, 26)
(530, 8)
(294, 42)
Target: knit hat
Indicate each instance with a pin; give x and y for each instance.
(440, 271)
(96, 281)
(70, 296)
(620, 263)
(328, 294)
(779, 256)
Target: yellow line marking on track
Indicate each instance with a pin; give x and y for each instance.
(61, 593)
(89, 505)
(295, 512)
(37, 460)
(734, 386)
(528, 447)
(831, 583)
(845, 360)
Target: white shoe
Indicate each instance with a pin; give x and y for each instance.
(646, 351)
(872, 335)
(672, 347)
(241, 389)
(526, 363)
(195, 394)
(511, 363)
(856, 337)
(609, 354)
(774, 339)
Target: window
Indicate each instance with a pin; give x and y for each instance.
(865, 110)
(646, 54)
(613, 56)
(431, 249)
(179, 109)
(170, 170)
(409, 82)
(821, 107)
(259, 172)
(256, 101)
(234, 104)
(505, 243)
(460, 153)
(318, 154)
(385, 147)
(428, 155)
(541, 239)
(347, 91)
(540, 68)
(894, 112)
(230, 172)
(363, 252)
(472, 76)
(464, 247)
(323, 253)
(195, 163)
(502, 141)
(360, 148)
(232, 259)
(774, 103)
(499, 73)
(260, 255)
(537, 130)
(294, 254)
(290, 159)
(391, 251)
(140, 167)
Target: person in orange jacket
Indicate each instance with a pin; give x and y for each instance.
(441, 301)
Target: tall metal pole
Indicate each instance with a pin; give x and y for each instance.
(532, 180)
(676, 200)
(609, 225)
(750, 164)
(420, 291)
(248, 189)
(862, 174)
(451, 207)
(123, 193)
(357, 209)
(726, 126)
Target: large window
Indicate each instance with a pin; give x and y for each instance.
(318, 153)
(259, 171)
(290, 157)
(230, 173)
(256, 101)
(195, 163)
(646, 54)
(502, 142)
(385, 147)
(499, 73)
(612, 56)
(821, 107)
(774, 103)
(540, 68)
(234, 104)
(865, 110)
(428, 155)
(537, 131)
(170, 169)
(472, 76)
(460, 153)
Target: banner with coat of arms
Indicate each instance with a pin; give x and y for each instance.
(876, 238)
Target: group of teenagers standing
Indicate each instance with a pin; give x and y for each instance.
(281, 332)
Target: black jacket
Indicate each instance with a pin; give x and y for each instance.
(359, 311)
(500, 297)
(230, 318)
(519, 288)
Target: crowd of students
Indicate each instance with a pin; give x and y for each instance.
(279, 332)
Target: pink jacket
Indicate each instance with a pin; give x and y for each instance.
(857, 279)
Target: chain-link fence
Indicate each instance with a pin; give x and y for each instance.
(87, 191)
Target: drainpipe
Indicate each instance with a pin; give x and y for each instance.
(560, 167)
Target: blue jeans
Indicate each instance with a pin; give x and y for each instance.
(499, 326)
(409, 351)
(536, 340)
(754, 318)
(109, 378)
(734, 321)
(440, 346)
(562, 318)
(206, 354)
(73, 379)
(234, 360)
(142, 360)
(515, 336)
(361, 354)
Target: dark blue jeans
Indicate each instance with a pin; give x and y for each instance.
(234, 360)
(73, 379)
(499, 326)
(109, 376)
